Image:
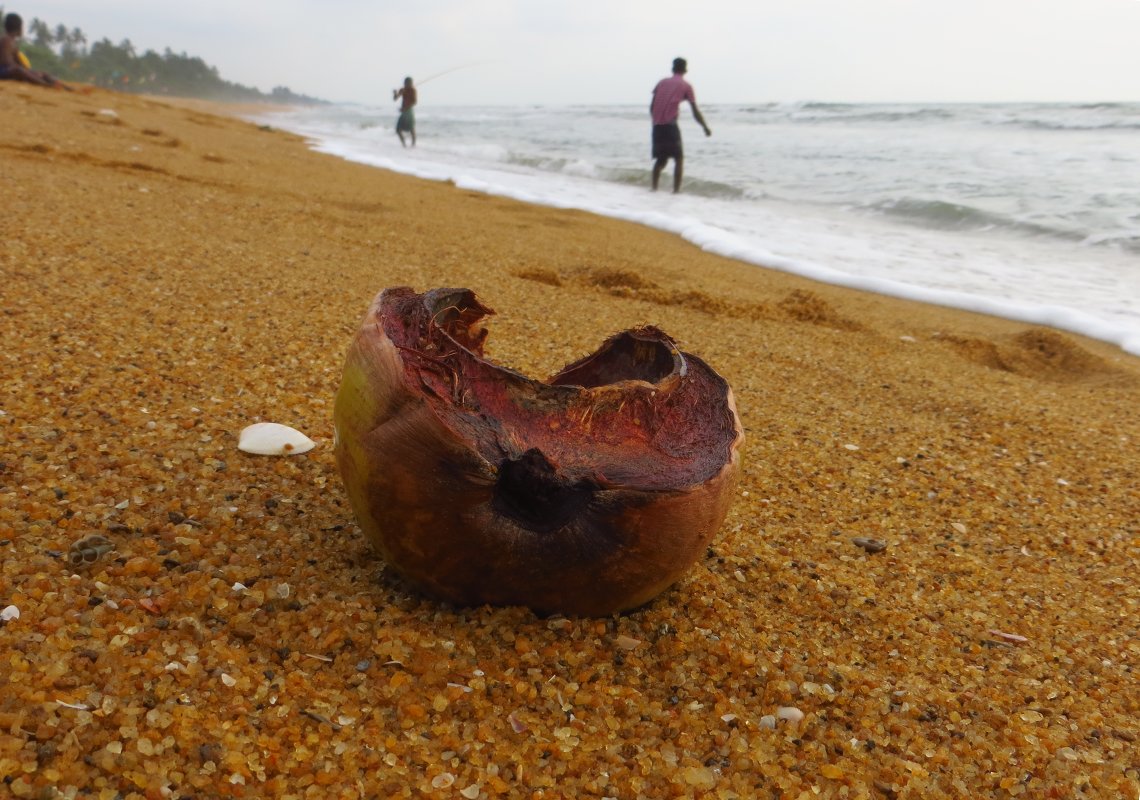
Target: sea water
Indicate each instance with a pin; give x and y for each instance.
(1025, 211)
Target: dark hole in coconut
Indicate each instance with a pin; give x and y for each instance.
(531, 491)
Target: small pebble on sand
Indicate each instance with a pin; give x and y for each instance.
(870, 545)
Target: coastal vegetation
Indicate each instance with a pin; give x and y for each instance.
(68, 54)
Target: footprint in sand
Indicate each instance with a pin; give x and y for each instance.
(627, 283)
(804, 306)
(609, 278)
(1037, 353)
(40, 149)
(136, 166)
(539, 275)
(155, 133)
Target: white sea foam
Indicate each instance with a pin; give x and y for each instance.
(1022, 212)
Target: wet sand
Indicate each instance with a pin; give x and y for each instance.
(170, 276)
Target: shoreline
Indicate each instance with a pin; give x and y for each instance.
(701, 226)
(172, 275)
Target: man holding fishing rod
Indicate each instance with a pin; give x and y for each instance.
(407, 121)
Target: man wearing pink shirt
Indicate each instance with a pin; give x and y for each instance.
(664, 109)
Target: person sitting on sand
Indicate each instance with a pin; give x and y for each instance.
(11, 66)
(665, 108)
(407, 121)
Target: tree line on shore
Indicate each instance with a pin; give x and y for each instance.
(66, 54)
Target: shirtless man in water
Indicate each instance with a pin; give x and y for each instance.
(407, 121)
(11, 67)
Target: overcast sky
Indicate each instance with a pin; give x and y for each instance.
(613, 51)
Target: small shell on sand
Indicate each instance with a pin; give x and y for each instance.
(273, 439)
(1009, 637)
(789, 714)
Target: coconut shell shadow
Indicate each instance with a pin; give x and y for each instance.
(586, 494)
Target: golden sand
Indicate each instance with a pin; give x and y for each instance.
(170, 276)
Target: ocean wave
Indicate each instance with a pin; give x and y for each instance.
(708, 188)
(1049, 125)
(1085, 117)
(579, 167)
(760, 108)
(842, 113)
(627, 176)
(950, 216)
(1126, 241)
(694, 186)
(845, 114)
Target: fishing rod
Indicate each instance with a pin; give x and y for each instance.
(449, 71)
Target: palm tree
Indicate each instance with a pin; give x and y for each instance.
(79, 41)
(66, 46)
(41, 33)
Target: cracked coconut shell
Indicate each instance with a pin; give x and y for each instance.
(586, 494)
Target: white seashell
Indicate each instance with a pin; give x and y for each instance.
(76, 706)
(1009, 637)
(9, 613)
(789, 713)
(273, 439)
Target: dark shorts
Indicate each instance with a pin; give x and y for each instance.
(407, 121)
(667, 141)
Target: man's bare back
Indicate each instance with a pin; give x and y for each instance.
(407, 122)
(409, 97)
